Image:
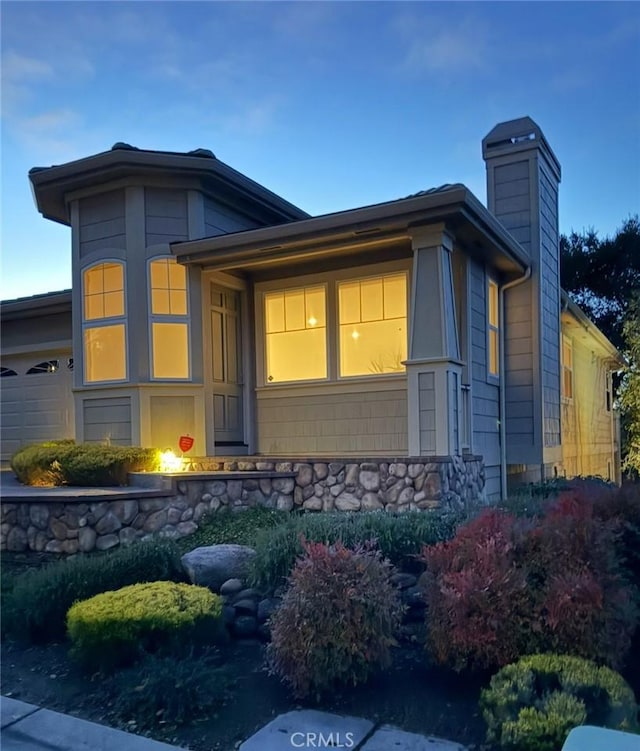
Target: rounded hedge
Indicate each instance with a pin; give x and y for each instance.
(113, 628)
(533, 704)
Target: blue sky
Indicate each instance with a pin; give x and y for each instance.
(330, 104)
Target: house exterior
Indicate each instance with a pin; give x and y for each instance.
(430, 327)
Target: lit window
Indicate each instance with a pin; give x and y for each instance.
(493, 329)
(168, 288)
(169, 320)
(104, 291)
(104, 353)
(373, 325)
(295, 326)
(105, 357)
(567, 369)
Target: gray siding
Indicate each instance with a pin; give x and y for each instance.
(219, 220)
(358, 424)
(550, 308)
(166, 413)
(37, 330)
(102, 222)
(519, 366)
(513, 206)
(486, 394)
(513, 200)
(165, 215)
(427, 390)
(107, 419)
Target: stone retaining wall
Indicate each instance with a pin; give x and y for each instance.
(69, 525)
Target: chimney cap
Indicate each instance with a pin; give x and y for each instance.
(518, 135)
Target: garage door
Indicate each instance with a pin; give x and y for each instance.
(36, 400)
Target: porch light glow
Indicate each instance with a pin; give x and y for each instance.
(355, 335)
(312, 321)
(169, 462)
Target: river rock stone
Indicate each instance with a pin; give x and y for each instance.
(245, 625)
(231, 587)
(212, 565)
(86, 539)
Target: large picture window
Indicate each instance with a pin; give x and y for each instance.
(169, 320)
(295, 330)
(104, 323)
(339, 328)
(373, 325)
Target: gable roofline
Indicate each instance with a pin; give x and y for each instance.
(453, 204)
(51, 185)
(569, 306)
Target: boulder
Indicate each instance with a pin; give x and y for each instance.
(245, 625)
(213, 565)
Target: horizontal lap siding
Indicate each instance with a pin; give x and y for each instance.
(220, 220)
(370, 422)
(427, 417)
(587, 439)
(486, 395)
(550, 293)
(165, 215)
(102, 222)
(513, 208)
(107, 419)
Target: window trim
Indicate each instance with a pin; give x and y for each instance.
(330, 281)
(492, 283)
(566, 342)
(94, 323)
(168, 318)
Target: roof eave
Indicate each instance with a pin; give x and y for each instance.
(51, 184)
(381, 218)
(25, 307)
(576, 311)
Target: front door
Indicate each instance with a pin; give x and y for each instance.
(226, 368)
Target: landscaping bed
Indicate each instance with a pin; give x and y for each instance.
(427, 628)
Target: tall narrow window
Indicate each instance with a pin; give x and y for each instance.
(373, 325)
(493, 319)
(169, 320)
(104, 323)
(567, 368)
(296, 338)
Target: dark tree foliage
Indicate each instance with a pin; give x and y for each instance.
(602, 275)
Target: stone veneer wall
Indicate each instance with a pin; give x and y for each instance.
(81, 525)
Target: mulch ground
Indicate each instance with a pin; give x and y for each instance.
(409, 695)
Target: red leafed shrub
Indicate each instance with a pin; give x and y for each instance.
(337, 620)
(505, 587)
(476, 594)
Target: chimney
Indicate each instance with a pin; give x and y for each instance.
(523, 175)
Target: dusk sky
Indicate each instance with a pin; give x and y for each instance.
(332, 105)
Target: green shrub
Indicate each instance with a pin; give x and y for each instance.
(115, 628)
(166, 690)
(90, 464)
(398, 537)
(241, 528)
(531, 705)
(36, 607)
(39, 464)
(337, 620)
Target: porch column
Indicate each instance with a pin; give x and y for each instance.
(434, 368)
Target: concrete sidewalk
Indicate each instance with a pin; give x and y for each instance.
(26, 727)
